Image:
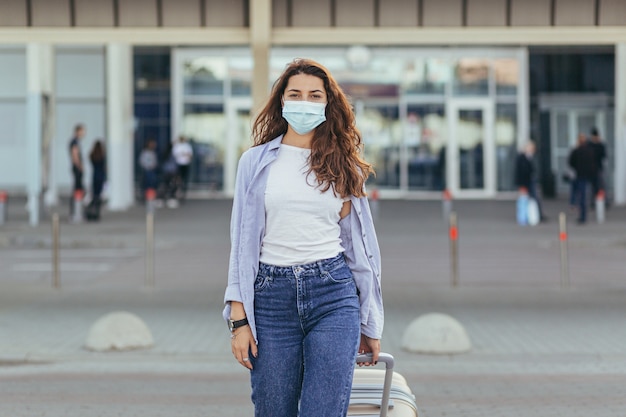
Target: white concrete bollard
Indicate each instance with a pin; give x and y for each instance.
(436, 333)
(600, 206)
(119, 330)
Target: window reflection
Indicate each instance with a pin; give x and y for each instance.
(379, 126)
(244, 131)
(208, 83)
(205, 76)
(406, 143)
(470, 140)
(471, 77)
(506, 72)
(425, 140)
(426, 76)
(506, 147)
(204, 126)
(240, 71)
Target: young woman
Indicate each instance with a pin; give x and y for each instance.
(98, 163)
(97, 158)
(303, 294)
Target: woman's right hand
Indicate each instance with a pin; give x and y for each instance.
(242, 344)
(242, 341)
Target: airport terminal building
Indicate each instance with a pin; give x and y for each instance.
(445, 91)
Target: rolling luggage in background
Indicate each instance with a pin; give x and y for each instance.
(380, 392)
(522, 209)
(533, 212)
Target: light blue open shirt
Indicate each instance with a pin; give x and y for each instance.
(247, 228)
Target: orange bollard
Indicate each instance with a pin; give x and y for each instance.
(150, 199)
(453, 235)
(3, 208)
(77, 216)
(600, 206)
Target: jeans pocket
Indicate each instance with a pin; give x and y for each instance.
(339, 275)
(261, 282)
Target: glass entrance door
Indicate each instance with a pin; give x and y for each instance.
(211, 107)
(470, 169)
(425, 137)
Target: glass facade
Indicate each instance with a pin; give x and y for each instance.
(401, 99)
(572, 90)
(152, 98)
(13, 115)
(506, 144)
(212, 90)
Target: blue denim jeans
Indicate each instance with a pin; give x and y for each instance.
(308, 329)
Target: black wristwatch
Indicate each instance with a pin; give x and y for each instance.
(235, 324)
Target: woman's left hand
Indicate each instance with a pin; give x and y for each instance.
(369, 345)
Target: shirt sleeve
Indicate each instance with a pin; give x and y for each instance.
(233, 292)
(362, 254)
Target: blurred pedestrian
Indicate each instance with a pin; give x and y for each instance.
(149, 163)
(76, 160)
(571, 173)
(97, 158)
(599, 150)
(183, 153)
(169, 183)
(303, 293)
(583, 162)
(526, 177)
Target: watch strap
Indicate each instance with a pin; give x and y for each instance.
(235, 324)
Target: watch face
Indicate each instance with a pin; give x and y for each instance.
(235, 324)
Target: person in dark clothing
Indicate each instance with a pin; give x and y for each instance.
(76, 158)
(98, 162)
(599, 150)
(571, 175)
(169, 178)
(583, 161)
(183, 153)
(525, 176)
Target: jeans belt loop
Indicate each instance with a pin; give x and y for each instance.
(320, 266)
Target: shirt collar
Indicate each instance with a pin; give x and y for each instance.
(275, 143)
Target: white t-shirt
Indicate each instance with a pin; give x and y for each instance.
(301, 223)
(182, 152)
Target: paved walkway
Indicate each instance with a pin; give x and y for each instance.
(538, 348)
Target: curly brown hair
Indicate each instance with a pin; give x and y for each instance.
(336, 145)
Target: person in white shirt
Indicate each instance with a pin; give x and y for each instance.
(303, 295)
(183, 154)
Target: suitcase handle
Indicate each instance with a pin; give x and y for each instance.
(388, 360)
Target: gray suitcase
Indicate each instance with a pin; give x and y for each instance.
(380, 392)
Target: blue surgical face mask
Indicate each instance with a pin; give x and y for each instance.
(304, 116)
